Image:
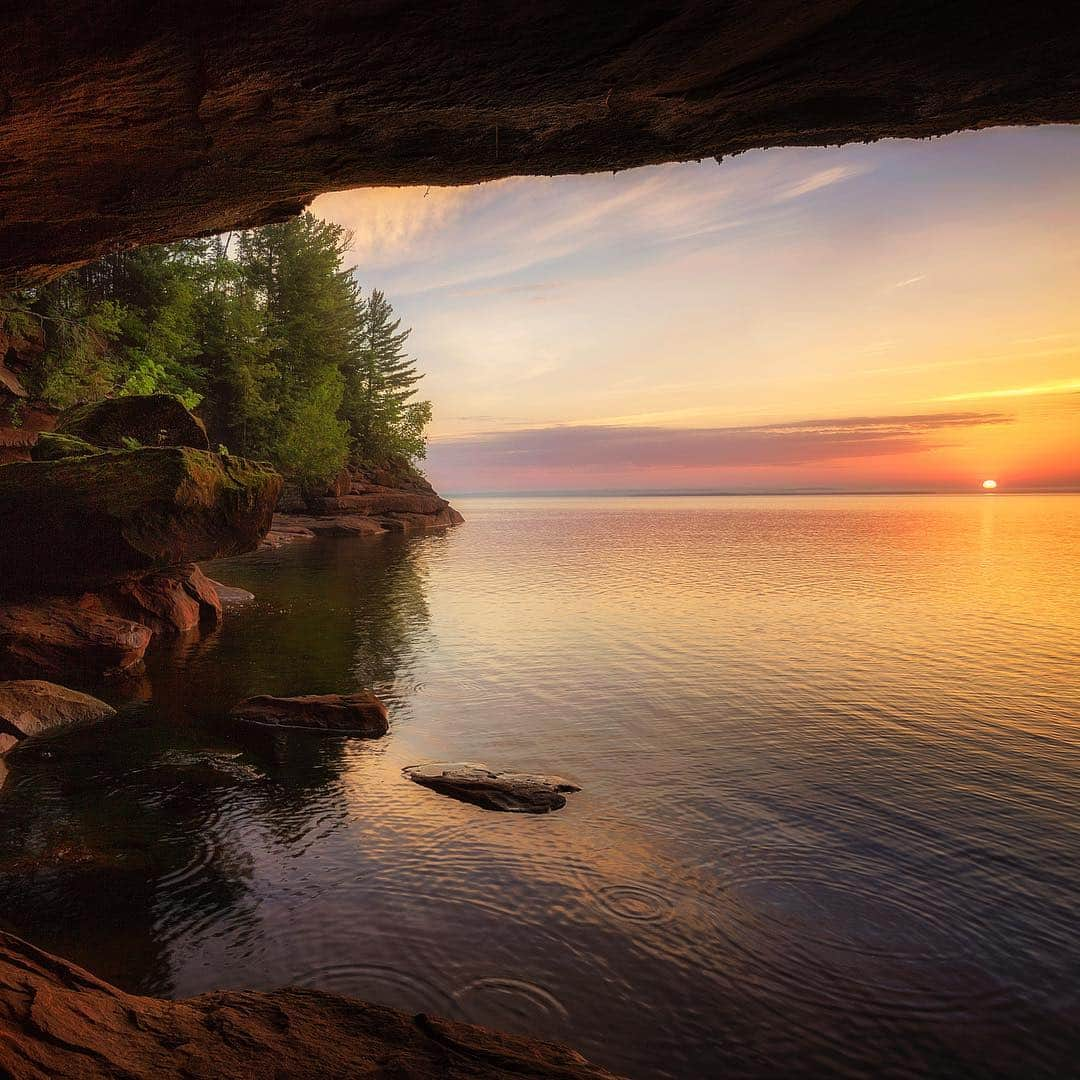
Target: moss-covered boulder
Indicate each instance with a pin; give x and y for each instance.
(150, 420)
(83, 522)
(51, 446)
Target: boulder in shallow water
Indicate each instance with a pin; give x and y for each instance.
(59, 1022)
(63, 636)
(171, 601)
(30, 707)
(83, 522)
(150, 419)
(518, 793)
(323, 714)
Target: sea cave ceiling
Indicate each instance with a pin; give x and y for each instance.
(125, 122)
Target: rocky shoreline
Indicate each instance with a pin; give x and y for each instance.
(106, 521)
(362, 501)
(59, 1022)
(104, 525)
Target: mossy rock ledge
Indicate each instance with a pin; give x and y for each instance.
(149, 419)
(84, 522)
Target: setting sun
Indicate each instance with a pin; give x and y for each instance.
(989, 485)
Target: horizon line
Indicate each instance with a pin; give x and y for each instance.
(756, 492)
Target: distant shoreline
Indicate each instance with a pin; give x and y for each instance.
(640, 494)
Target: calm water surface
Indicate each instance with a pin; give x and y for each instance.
(830, 753)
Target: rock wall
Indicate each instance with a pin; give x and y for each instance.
(126, 123)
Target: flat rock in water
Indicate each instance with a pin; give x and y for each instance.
(31, 707)
(232, 595)
(513, 792)
(323, 714)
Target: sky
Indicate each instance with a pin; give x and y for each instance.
(895, 316)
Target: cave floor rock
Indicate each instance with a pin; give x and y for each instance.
(59, 1022)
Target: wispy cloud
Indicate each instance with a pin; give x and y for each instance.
(387, 223)
(1068, 386)
(423, 240)
(823, 178)
(908, 281)
(607, 447)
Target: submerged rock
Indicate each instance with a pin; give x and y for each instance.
(63, 636)
(520, 793)
(151, 420)
(59, 1022)
(30, 707)
(325, 714)
(232, 595)
(84, 522)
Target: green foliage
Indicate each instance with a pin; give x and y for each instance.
(314, 443)
(273, 340)
(381, 383)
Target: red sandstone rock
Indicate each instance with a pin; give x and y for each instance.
(285, 529)
(390, 498)
(382, 502)
(62, 636)
(346, 525)
(171, 601)
(119, 128)
(32, 707)
(59, 1022)
(340, 484)
(361, 713)
(107, 632)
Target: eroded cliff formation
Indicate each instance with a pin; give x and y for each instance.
(97, 544)
(127, 122)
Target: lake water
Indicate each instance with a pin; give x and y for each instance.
(830, 758)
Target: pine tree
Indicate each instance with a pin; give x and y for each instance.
(309, 303)
(385, 420)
